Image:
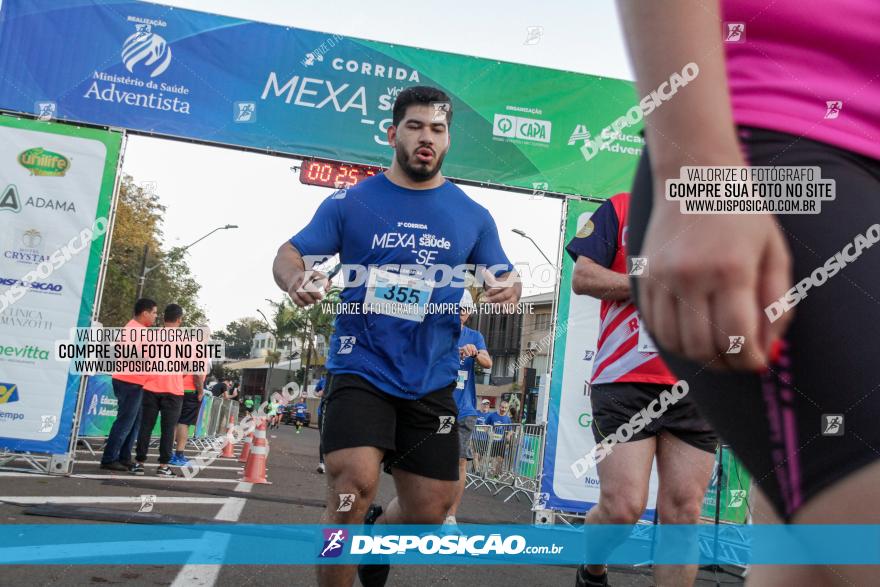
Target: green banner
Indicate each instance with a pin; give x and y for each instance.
(735, 486)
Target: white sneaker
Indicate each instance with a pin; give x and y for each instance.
(321, 468)
(450, 525)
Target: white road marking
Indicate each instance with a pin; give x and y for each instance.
(35, 500)
(244, 487)
(147, 477)
(214, 467)
(206, 575)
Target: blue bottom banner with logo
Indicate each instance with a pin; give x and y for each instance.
(248, 544)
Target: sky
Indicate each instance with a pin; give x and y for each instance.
(206, 187)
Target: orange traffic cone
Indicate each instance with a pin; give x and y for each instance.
(227, 450)
(246, 449)
(255, 469)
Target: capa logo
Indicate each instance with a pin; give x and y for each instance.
(39, 161)
(147, 47)
(519, 127)
(8, 393)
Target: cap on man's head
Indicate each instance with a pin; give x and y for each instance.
(485, 401)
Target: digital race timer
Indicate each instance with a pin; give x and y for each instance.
(333, 174)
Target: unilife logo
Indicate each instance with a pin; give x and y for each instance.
(147, 47)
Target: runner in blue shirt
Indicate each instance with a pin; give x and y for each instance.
(471, 349)
(393, 369)
(500, 434)
(299, 413)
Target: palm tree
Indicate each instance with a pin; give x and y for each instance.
(317, 321)
(272, 358)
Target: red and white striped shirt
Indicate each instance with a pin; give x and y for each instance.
(618, 359)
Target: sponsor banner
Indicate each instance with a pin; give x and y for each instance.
(569, 433)
(56, 183)
(99, 407)
(736, 484)
(204, 413)
(264, 544)
(229, 81)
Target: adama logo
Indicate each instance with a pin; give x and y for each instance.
(8, 393)
(39, 161)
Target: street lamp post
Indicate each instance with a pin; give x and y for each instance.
(523, 234)
(145, 270)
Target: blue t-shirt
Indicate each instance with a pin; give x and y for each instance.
(465, 387)
(496, 418)
(300, 409)
(380, 225)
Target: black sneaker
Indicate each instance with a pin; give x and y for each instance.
(115, 466)
(165, 471)
(375, 575)
(587, 579)
(137, 469)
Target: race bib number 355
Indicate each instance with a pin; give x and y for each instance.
(399, 296)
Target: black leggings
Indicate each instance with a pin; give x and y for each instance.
(775, 422)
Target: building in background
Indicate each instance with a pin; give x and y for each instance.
(535, 342)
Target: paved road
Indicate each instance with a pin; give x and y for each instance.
(295, 496)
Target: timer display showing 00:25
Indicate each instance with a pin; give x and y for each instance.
(333, 174)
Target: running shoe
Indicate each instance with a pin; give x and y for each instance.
(450, 526)
(178, 461)
(321, 468)
(137, 469)
(165, 471)
(587, 579)
(375, 575)
(117, 466)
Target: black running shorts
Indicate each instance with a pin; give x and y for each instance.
(614, 405)
(189, 411)
(418, 435)
(780, 424)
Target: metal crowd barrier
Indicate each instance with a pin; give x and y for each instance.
(506, 457)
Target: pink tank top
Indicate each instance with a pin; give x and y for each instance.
(808, 68)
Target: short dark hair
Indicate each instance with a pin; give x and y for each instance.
(143, 305)
(173, 313)
(419, 95)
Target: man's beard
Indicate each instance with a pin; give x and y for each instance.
(419, 172)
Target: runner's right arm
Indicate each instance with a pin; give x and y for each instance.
(303, 287)
(320, 239)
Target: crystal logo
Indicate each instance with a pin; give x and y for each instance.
(147, 48)
(334, 542)
(41, 162)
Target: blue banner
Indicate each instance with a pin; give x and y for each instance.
(181, 73)
(249, 544)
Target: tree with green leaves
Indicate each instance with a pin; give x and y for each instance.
(238, 336)
(137, 228)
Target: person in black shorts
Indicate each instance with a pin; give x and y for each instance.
(393, 367)
(630, 380)
(807, 97)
